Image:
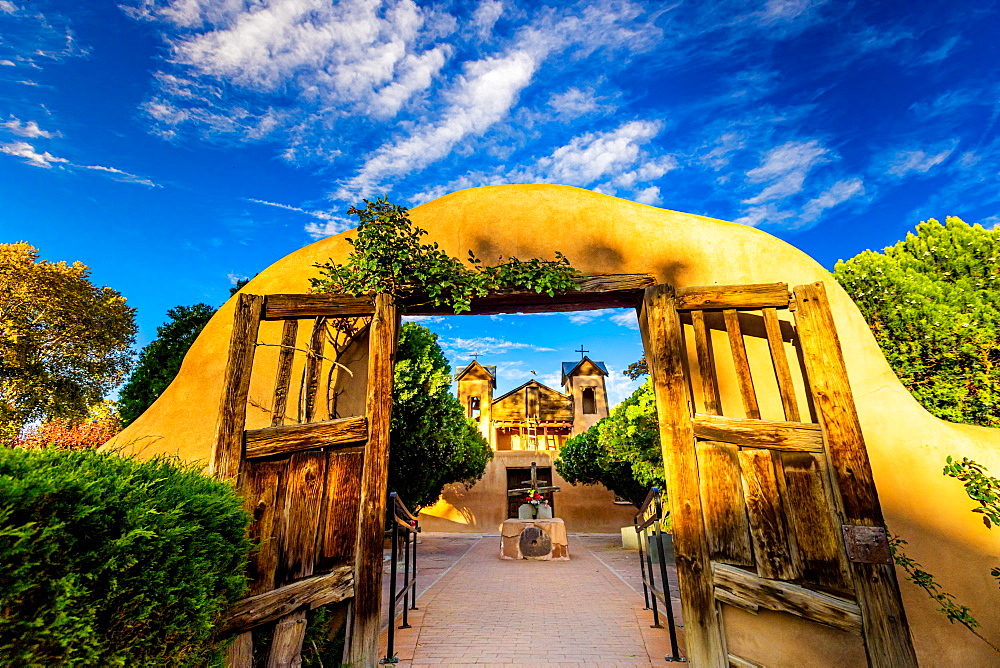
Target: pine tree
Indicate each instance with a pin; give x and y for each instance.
(932, 303)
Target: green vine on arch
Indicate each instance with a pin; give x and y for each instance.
(388, 256)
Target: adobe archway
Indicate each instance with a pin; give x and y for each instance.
(601, 234)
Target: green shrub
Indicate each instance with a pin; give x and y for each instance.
(111, 561)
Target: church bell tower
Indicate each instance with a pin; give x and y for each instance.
(475, 392)
(584, 381)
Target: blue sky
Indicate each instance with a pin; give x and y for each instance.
(176, 145)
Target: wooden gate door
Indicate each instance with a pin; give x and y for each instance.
(778, 513)
(314, 482)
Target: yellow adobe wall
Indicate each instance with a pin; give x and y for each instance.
(602, 234)
(483, 507)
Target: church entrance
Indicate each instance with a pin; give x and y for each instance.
(518, 478)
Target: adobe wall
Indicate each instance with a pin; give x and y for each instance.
(601, 234)
(483, 507)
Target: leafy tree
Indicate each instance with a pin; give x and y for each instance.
(160, 361)
(64, 342)
(432, 442)
(388, 257)
(583, 460)
(932, 303)
(622, 451)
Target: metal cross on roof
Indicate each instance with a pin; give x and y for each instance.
(581, 351)
(535, 484)
(476, 356)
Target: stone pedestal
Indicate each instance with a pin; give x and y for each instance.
(554, 530)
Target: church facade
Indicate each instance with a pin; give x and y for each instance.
(529, 424)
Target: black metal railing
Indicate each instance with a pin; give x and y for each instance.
(651, 515)
(404, 530)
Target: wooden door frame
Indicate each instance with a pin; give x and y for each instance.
(885, 630)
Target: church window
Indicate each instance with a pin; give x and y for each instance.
(474, 408)
(589, 402)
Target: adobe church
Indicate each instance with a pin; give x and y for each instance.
(530, 424)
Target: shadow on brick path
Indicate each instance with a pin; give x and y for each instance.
(476, 609)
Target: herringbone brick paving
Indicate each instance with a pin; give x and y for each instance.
(486, 611)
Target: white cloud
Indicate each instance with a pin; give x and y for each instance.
(575, 102)
(917, 161)
(939, 53)
(785, 168)
(123, 176)
(236, 278)
(584, 317)
(22, 149)
(423, 318)
(485, 16)
(329, 224)
(8, 7)
(29, 129)
(626, 318)
(839, 192)
(596, 155)
(7, 63)
(487, 344)
(482, 97)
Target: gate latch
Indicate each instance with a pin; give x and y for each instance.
(867, 545)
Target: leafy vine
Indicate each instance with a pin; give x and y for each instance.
(388, 256)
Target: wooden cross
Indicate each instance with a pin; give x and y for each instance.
(534, 484)
(476, 356)
(581, 351)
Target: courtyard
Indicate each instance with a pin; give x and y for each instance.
(476, 609)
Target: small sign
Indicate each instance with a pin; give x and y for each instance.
(867, 545)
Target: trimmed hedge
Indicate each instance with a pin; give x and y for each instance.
(112, 561)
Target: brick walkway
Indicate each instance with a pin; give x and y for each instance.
(485, 611)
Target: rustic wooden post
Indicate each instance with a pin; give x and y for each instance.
(886, 632)
(661, 338)
(371, 520)
(227, 454)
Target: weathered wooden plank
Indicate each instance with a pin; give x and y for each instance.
(661, 337)
(383, 333)
(286, 307)
(239, 654)
(304, 483)
(761, 295)
(886, 632)
(728, 597)
(706, 365)
(726, 522)
(289, 438)
(794, 436)
(283, 377)
(286, 645)
(743, 375)
(594, 292)
(339, 523)
(313, 592)
(263, 484)
(738, 662)
(227, 451)
(810, 518)
(314, 365)
(779, 359)
(774, 550)
(785, 597)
